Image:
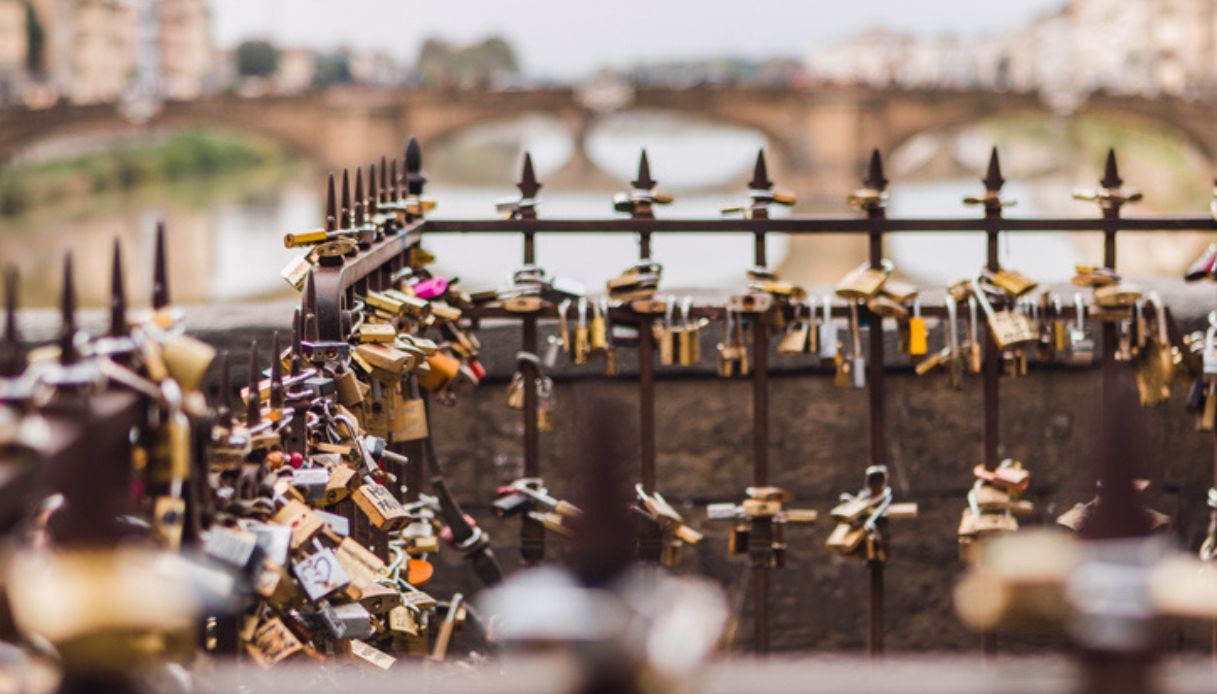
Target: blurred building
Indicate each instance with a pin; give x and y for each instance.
(1135, 47)
(14, 48)
(297, 70)
(95, 51)
(187, 55)
(375, 68)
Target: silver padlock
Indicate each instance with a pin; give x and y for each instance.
(722, 511)
(857, 360)
(356, 621)
(827, 338)
(320, 573)
(311, 482)
(1081, 344)
(274, 540)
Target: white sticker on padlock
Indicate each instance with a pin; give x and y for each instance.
(320, 574)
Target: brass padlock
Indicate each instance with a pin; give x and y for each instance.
(1014, 283)
(1009, 329)
(864, 282)
(409, 418)
(273, 643)
(187, 360)
(384, 512)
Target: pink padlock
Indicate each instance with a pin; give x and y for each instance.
(430, 288)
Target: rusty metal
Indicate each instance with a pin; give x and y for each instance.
(331, 285)
(991, 367)
(532, 532)
(876, 440)
(760, 537)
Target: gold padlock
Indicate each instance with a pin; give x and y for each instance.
(864, 282)
(1014, 283)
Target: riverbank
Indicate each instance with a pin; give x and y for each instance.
(178, 156)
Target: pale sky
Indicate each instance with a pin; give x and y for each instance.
(569, 38)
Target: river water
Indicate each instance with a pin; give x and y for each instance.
(225, 235)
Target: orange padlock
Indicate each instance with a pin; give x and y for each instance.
(444, 368)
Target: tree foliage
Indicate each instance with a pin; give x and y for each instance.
(257, 59)
(441, 63)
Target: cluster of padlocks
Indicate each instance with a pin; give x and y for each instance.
(150, 523)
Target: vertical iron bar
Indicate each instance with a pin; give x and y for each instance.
(992, 362)
(877, 442)
(874, 615)
(991, 374)
(762, 528)
(532, 533)
(650, 538)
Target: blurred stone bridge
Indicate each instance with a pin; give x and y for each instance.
(818, 137)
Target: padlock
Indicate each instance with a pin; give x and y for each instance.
(303, 522)
(918, 332)
(857, 362)
(355, 620)
(237, 548)
(795, 340)
(273, 643)
(845, 539)
(444, 368)
(1116, 296)
(737, 540)
(1081, 344)
(187, 360)
(409, 417)
(384, 512)
(275, 585)
(377, 332)
(1009, 329)
(1015, 284)
(827, 337)
(319, 573)
(383, 362)
(361, 565)
(338, 484)
(864, 282)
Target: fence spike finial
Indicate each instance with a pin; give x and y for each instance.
(528, 185)
(68, 353)
(12, 361)
(1111, 172)
(874, 173)
(118, 295)
(760, 174)
(384, 179)
(310, 293)
(331, 205)
(344, 212)
(276, 373)
(160, 270)
(297, 336)
(359, 217)
(993, 179)
(224, 410)
(373, 190)
(644, 180)
(415, 178)
(253, 405)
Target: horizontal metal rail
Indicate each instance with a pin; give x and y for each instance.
(819, 225)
